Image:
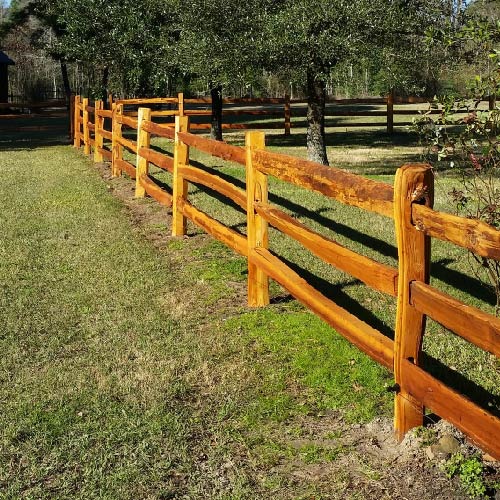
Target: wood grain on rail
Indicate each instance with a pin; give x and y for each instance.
(229, 237)
(126, 166)
(343, 186)
(167, 131)
(132, 145)
(105, 113)
(127, 120)
(362, 335)
(214, 148)
(216, 183)
(155, 191)
(472, 234)
(152, 100)
(106, 153)
(378, 276)
(107, 134)
(472, 324)
(482, 427)
(156, 158)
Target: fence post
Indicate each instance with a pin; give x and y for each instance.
(257, 227)
(180, 101)
(288, 115)
(390, 112)
(116, 136)
(98, 137)
(143, 141)
(86, 130)
(413, 184)
(180, 187)
(76, 118)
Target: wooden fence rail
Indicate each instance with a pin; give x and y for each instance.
(409, 204)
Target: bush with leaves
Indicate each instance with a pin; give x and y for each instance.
(470, 145)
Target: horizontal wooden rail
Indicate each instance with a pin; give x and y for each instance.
(152, 100)
(106, 153)
(214, 148)
(472, 234)
(378, 276)
(126, 120)
(164, 113)
(160, 160)
(229, 237)
(369, 340)
(91, 127)
(104, 113)
(90, 109)
(482, 427)
(343, 186)
(216, 183)
(476, 326)
(126, 166)
(107, 134)
(155, 191)
(167, 131)
(131, 145)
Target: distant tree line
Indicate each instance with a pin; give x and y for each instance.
(308, 48)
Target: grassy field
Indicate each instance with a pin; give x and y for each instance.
(132, 367)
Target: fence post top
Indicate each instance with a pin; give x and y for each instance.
(255, 139)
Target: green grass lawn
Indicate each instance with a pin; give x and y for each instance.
(124, 375)
(133, 369)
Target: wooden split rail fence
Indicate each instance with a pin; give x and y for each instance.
(409, 204)
(280, 111)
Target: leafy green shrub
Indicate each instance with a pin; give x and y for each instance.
(470, 471)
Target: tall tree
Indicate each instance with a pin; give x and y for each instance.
(216, 44)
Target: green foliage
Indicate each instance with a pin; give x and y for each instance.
(473, 149)
(470, 471)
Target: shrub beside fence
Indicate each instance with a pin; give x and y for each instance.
(409, 204)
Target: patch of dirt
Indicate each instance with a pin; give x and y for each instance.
(370, 463)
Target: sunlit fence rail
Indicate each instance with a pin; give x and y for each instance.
(409, 204)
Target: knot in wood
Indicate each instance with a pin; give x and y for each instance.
(419, 225)
(420, 195)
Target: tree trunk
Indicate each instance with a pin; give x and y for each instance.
(216, 130)
(316, 92)
(65, 78)
(104, 85)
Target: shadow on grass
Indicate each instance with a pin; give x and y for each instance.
(27, 133)
(461, 281)
(356, 138)
(462, 384)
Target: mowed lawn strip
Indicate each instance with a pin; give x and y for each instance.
(129, 371)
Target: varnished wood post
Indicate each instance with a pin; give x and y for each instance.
(180, 187)
(143, 141)
(110, 101)
(257, 227)
(86, 130)
(117, 148)
(390, 112)
(414, 184)
(288, 115)
(76, 126)
(99, 126)
(180, 101)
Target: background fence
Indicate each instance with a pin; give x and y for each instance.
(409, 204)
